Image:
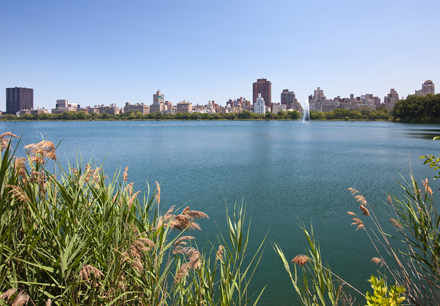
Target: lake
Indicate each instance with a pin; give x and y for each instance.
(285, 172)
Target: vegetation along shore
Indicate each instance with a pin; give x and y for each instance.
(413, 109)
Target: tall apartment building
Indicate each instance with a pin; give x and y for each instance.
(158, 97)
(19, 98)
(62, 103)
(288, 98)
(318, 95)
(391, 99)
(158, 103)
(427, 88)
(263, 87)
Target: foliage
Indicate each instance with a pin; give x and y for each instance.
(382, 296)
(76, 237)
(434, 162)
(418, 109)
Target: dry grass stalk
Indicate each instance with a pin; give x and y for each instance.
(87, 271)
(351, 213)
(21, 299)
(396, 224)
(158, 193)
(359, 223)
(377, 261)
(364, 210)
(125, 175)
(300, 259)
(10, 292)
(5, 138)
(219, 254)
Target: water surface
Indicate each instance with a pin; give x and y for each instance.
(286, 172)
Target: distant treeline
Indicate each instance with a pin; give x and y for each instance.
(413, 109)
(417, 109)
(246, 115)
(359, 113)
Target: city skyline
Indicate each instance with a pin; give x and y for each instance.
(102, 52)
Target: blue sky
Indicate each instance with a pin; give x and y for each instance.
(102, 52)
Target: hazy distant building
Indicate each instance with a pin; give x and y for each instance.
(138, 107)
(288, 98)
(62, 103)
(259, 105)
(427, 88)
(19, 98)
(391, 99)
(158, 103)
(318, 95)
(276, 107)
(112, 109)
(184, 107)
(263, 87)
(158, 97)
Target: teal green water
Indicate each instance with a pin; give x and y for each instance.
(285, 172)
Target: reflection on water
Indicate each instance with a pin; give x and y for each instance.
(423, 133)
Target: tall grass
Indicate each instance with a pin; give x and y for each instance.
(80, 238)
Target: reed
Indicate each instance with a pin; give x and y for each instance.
(80, 238)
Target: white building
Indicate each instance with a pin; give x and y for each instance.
(259, 106)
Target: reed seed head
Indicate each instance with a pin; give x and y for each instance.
(158, 193)
(359, 223)
(390, 201)
(125, 175)
(183, 271)
(300, 259)
(396, 224)
(88, 270)
(219, 254)
(351, 213)
(377, 261)
(364, 211)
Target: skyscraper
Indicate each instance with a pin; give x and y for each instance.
(18, 99)
(263, 87)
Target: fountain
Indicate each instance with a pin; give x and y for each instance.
(306, 112)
